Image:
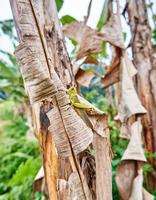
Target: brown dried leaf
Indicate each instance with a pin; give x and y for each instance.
(99, 126)
(134, 150)
(90, 40)
(124, 131)
(125, 175)
(112, 31)
(129, 176)
(91, 60)
(129, 103)
(84, 77)
(129, 180)
(39, 183)
(113, 70)
(130, 66)
(68, 128)
(40, 174)
(147, 195)
(33, 67)
(91, 43)
(75, 30)
(137, 190)
(92, 110)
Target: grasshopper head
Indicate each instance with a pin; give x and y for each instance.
(72, 90)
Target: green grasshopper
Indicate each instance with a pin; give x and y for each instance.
(79, 107)
(74, 99)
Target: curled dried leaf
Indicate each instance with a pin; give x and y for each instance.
(125, 131)
(134, 150)
(112, 31)
(129, 175)
(69, 130)
(99, 126)
(75, 30)
(40, 174)
(91, 43)
(91, 60)
(129, 180)
(90, 40)
(137, 190)
(112, 72)
(39, 182)
(129, 103)
(147, 195)
(97, 118)
(92, 110)
(86, 60)
(125, 175)
(84, 77)
(34, 71)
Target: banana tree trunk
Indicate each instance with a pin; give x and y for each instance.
(47, 74)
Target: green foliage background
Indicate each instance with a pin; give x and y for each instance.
(19, 156)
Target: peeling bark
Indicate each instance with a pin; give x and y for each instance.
(31, 54)
(46, 70)
(50, 158)
(143, 60)
(103, 160)
(142, 53)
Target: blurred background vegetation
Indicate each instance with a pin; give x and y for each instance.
(19, 152)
